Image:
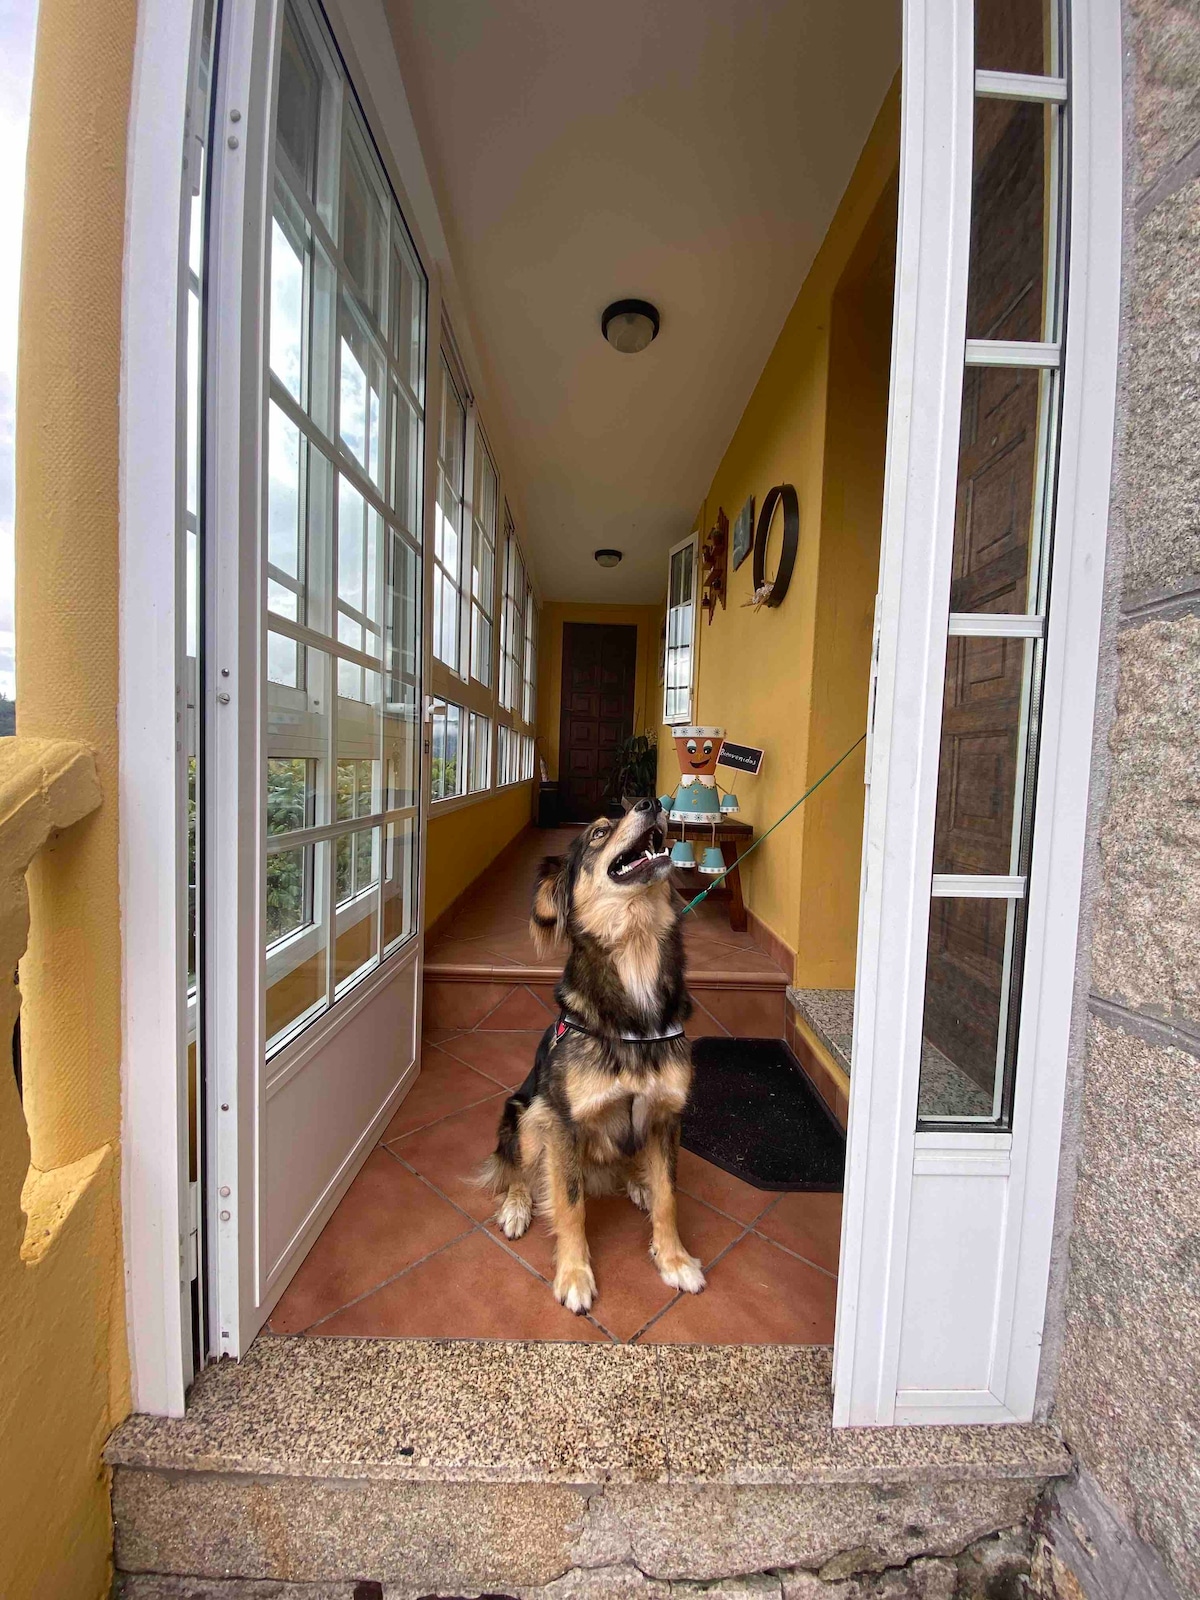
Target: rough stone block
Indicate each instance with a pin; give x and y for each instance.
(1161, 450)
(1130, 1380)
(1165, 36)
(1146, 953)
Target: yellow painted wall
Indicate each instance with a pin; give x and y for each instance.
(647, 692)
(64, 1378)
(757, 669)
(465, 841)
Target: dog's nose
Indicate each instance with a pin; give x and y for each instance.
(647, 805)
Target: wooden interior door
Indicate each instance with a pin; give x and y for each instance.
(599, 663)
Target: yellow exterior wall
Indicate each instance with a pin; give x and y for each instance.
(756, 669)
(464, 841)
(647, 691)
(64, 1378)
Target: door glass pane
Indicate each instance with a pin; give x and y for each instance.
(1009, 286)
(399, 884)
(356, 895)
(1005, 474)
(1016, 36)
(984, 750)
(295, 939)
(340, 731)
(967, 1006)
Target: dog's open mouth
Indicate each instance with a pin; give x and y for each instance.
(641, 860)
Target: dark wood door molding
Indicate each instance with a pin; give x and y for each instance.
(599, 665)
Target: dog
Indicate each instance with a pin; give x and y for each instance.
(600, 1110)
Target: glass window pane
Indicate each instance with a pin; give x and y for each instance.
(447, 773)
(287, 305)
(399, 884)
(406, 308)
(359, 736)
(405, 487)
(401, 751)
(1005, 469)
(360, 396)
(968, 984)
(283, 493)
(297, 733)
(364, 222)
(1016, 36)
(984, 752)
(1009, 281)
(356, 876)
(295, 940)
(298, 114)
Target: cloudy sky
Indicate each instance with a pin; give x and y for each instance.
(17, 18)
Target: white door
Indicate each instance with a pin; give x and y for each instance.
(995, 504)
(315, 395)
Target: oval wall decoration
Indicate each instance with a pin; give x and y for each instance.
(786, 493)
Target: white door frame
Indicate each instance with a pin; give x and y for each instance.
(946, 1236)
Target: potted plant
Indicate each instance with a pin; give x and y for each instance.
(635, 770)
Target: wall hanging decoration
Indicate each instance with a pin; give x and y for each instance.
(714, 564)
(770, 591)
(743, 533)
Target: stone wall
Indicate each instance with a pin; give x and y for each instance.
(1129, 1378)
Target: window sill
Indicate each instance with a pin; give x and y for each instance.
(459, 802)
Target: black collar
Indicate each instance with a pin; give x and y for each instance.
(566, 1023)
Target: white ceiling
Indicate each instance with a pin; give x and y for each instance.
(686, 152)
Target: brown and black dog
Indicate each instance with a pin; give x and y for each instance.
(600, 1110)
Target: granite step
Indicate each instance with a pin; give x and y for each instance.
(457, 1466)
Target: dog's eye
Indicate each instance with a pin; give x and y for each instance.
(599, 833)
(691, 747)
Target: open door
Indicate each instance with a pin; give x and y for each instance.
(995, 509)
(312, 808)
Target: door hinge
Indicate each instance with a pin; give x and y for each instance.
(191, 1243)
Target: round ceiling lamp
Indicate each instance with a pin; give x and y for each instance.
(630, 325)
(608, 558)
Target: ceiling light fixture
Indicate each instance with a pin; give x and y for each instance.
(630, 325)
(608, 558)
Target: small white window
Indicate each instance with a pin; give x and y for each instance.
(483, 562)
(679, 666)
(448, 561)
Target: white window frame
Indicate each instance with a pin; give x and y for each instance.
(946, 1234)
(681, 719)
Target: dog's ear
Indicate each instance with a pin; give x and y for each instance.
(551, 903)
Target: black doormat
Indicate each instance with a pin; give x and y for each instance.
(754, 1113)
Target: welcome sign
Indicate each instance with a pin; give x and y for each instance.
(741, 757)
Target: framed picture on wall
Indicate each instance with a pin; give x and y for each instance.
(743, 533)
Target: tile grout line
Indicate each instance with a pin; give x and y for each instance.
(383, 1284)
(708, 1266)
(482, 1227)
(795, 1254)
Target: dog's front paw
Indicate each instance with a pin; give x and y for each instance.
(575, 1288)
(515, 1213)
(638, 1195)
(681, 1271)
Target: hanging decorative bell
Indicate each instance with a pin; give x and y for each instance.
(713, 861)
(729, 804)
(665, 801)
(682, 854)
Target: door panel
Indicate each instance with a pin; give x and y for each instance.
(598, 677)
(316, 398)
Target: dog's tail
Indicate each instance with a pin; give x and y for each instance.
(503, 1167)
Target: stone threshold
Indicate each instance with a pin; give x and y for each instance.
(451, 1468)
(462, 1411)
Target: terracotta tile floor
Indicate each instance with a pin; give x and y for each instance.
(491, 931)
(411, 1252)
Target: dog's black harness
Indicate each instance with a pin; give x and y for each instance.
(567, 1023)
